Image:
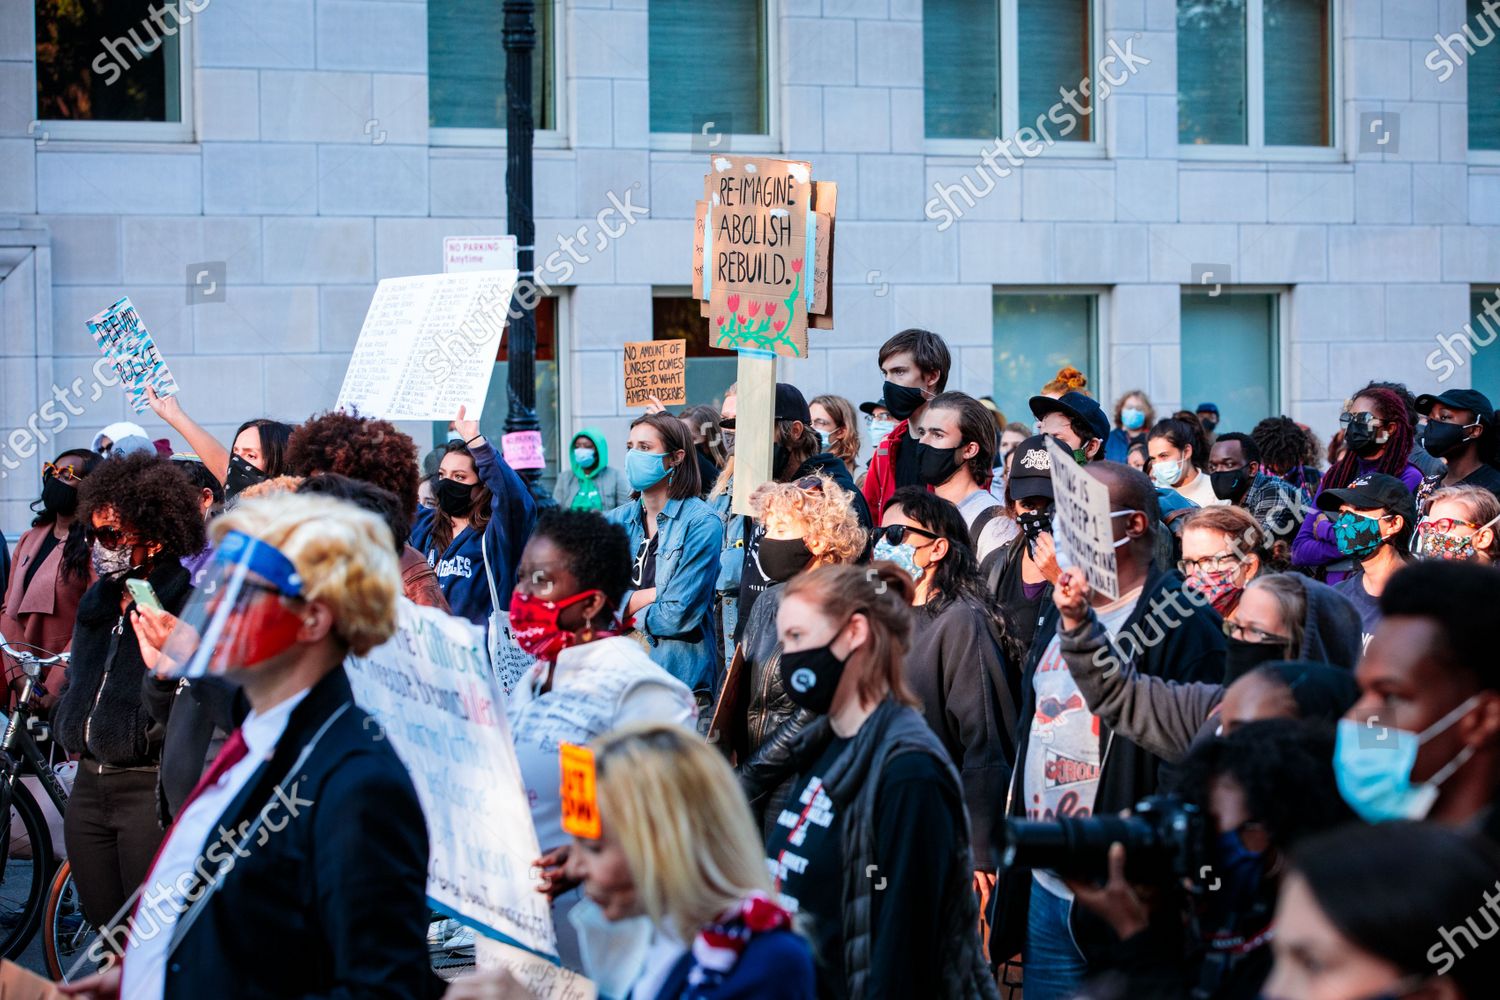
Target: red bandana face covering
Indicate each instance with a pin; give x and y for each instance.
(1218, 587)
(533, 622)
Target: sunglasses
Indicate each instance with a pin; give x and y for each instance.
(66, 473)
(112, 539)
(895, 534)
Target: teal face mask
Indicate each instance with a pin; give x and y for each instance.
(644, 469)
(903, 555)
(1356, 535)
(1372, 765)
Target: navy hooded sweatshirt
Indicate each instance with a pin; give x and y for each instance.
(460, 567)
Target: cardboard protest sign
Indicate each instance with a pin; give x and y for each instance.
(580, 801)
(428, 346)
(523, 450)
(542, 977)
(478, 253)
(754, 427)
(655, 368)
(1081, 523)
(509, 660)
(757, 239)
(825, 201)
(124, 340)
(432, 693)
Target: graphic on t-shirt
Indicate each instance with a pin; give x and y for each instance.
(1062, 770)
(816, 811)
(1050, 709)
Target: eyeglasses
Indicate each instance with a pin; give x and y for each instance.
(1222, 561)
(1248, 633)
(66, 473)
(112, 539)
(812, 483)
(895, 534)
(1365, 419)
(1442, 525)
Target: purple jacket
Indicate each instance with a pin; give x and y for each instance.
(1314, 545)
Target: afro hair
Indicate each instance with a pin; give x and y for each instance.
(364, 448)
(153, 500)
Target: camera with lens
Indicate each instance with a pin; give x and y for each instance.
(1166, 839)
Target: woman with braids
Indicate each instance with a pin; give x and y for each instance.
(962, 665)
(143, 517)
(474, 535)
(51, 569)
(889, 899)
(1378, 432)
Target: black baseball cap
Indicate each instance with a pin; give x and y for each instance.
(1376, 490)
(1472, 400)
(791, 404)
(869, 408)
(1077, 406)
(1030, 470)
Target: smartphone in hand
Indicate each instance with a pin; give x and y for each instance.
(143, 595)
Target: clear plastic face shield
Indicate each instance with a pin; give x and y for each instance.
(248, 610)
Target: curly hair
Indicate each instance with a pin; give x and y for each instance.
(830, 523)
(1389, 408)
(1284, 445)
(1069, 379)
(269, 487)
(152, 499)
(597, 550)
(360, 448)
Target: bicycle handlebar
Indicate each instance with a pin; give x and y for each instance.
(23, 657)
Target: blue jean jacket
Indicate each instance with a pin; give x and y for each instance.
(687, 564)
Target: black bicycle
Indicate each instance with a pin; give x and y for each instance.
(26, 839)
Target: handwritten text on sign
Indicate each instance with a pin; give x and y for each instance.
(655, 368)
(431, 690)
(124, 340)
(1081, 523)
(523, 450)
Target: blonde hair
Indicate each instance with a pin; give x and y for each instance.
(1069, 379)
(345, 556)
(846, 449)
(269, 488)
(1291, 599)
(831, 525)
(677, 810)
(1479, 504)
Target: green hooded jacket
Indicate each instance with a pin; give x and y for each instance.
(599, 488)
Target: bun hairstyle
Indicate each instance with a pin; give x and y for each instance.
(1069, 379)
(1183, 430)
(882, 592)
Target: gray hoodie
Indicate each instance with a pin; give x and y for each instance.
(1164, 717)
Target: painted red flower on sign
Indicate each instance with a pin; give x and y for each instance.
(754, 308)
(721, 320)
(778, 325)
(797, 266)
(770, 309)
(742, 321)
(733, 302)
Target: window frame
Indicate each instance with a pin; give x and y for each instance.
(769, 141)
(1095, 148)
(1099, 350)
(1255, 101)
(1282, 337)
(184, 130)
(556, 137)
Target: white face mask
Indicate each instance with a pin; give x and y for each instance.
(1123, 513)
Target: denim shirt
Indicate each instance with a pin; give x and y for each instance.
(732, 554)
(687, 564)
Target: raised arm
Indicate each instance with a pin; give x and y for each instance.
(213, 455)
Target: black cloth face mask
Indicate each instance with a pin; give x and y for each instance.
(811, 676)
(1442, 439)
(58, 497)
(454, 498)
(1232, 484)
(1241, 657)
(935, 466)
(902, 400)
(782, 558)
(242, 475)
(1034, 522)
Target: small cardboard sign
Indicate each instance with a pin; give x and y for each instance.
(580, 803)
(1081, 522)
(125, 342)
(655, 368)
(478, 253)
(523, 450)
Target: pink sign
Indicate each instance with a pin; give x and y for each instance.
(523, 450)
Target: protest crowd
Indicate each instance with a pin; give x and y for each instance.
(1095, 702)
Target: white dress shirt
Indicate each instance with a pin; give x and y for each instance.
(165, 888)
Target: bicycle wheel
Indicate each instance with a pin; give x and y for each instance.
(26, 847)
(66, 933)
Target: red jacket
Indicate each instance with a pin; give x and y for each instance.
(880, 478)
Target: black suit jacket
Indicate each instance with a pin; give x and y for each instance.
(328, 898)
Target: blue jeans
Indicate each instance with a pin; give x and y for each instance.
(1052, 966)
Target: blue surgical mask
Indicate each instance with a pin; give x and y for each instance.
(1373, 763)
(644, 469)
(880, 428)
(1132, 418)
(584, 457)
(823, 437)
(903, 555)
(1166, 474)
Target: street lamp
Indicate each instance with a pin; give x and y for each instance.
(520, 40)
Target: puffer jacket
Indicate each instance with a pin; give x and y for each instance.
(101, 713)
(853, 785)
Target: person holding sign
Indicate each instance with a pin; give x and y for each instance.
(1061, 736)
(674, 538)
(873, 847)
(484, 513)
(587, 679)
(257, 453)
